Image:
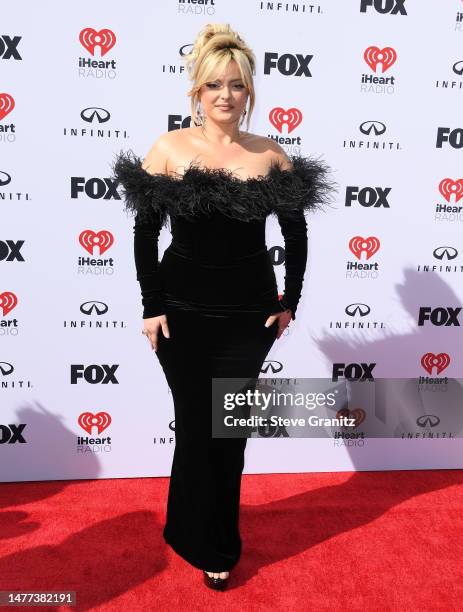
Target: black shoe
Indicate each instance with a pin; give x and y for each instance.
(218, 584)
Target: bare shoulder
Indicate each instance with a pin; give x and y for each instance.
(272, 150)
(166, 148)
(278, 154)
(156, 160)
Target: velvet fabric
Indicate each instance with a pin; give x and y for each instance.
(202, 522)
(217, 260)
(216, 285)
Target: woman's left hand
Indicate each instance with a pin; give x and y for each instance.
(284, 319)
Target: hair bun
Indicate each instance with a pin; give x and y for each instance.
(214, 36)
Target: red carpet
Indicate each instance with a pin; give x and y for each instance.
(323, 541)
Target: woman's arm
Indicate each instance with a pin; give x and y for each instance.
(146, 239)
(143, 197)
(145, 248)
(294, 232)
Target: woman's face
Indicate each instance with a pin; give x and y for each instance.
(224, 98)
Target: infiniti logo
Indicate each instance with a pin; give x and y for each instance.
(185, 49)
(357, 309)
(172, 425)
(367, 127)
(428, 420)
(94, 113)
(458, 67)
(445, 252)
(93, 307)
(6, 180)
(272, 366)
(6, 368)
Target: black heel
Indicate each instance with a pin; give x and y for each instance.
(218, 584)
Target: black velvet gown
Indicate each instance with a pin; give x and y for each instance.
(216, 285)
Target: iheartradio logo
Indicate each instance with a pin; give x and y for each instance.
(104, 39)
(90, 239)
(448, 187)
(358, 414)
(279, 117)
(375, 56)
(100, 420)
(7, 104)
(439, 361)
(359, 245)
(8, 301)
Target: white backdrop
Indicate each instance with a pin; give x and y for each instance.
(63, 118)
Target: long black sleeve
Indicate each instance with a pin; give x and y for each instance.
(146, 238)
(294, 231)
(146, 195)
(286, 193)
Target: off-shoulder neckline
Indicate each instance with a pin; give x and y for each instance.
(194, 169)
(201, 189)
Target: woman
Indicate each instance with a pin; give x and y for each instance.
(211, 306)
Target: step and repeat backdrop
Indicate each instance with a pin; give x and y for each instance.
(373, 87)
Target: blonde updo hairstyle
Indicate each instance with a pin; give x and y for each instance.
(215, 46)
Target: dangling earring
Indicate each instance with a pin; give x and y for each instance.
(200, 114)
(243, 115)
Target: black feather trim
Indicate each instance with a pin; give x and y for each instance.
(306, 187)
(201, 190)
(143, 193)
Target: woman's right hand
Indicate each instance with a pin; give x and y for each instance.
(155, 326)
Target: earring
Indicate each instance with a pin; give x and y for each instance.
(200, 114)
(243, 115)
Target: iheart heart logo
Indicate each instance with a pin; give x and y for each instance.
(374, 56)
(279, 116)
(90, 239)
(359, 245)
(90, 39)
(8, 301)
(430, 361)
(358, 414)
(447, 187)
(100, 420)
(6, 104)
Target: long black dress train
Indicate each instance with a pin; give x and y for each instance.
(217, 287)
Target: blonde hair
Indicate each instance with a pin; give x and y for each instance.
(215, 46)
